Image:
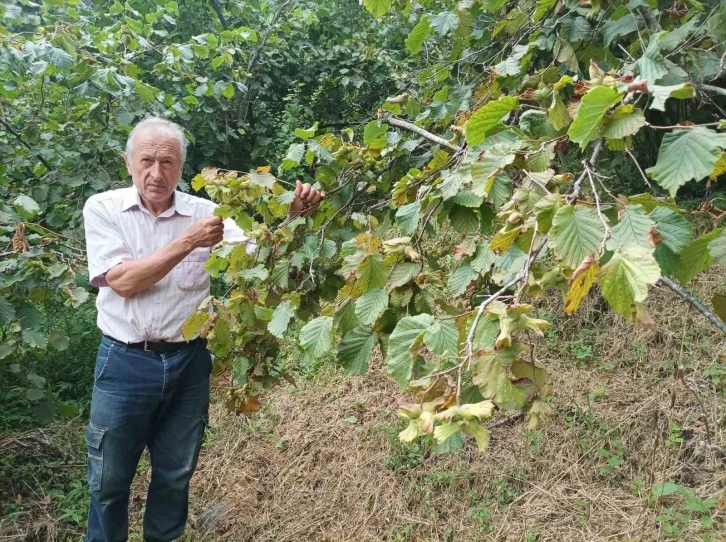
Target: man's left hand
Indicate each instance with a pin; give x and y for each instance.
(306, 201)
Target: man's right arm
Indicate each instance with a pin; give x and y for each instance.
(133, 276)
(110, 260)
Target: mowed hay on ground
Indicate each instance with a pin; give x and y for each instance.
(322, 462)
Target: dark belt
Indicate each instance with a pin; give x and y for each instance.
(164, 346)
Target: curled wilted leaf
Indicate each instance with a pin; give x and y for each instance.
(410, 433)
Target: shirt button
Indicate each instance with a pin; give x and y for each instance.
(158, 301)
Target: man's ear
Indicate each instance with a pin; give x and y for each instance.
(127, 161)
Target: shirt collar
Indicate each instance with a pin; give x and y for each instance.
(132, 198)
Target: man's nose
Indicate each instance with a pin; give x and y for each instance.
(156, 170)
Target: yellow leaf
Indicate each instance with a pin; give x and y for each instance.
(582, 280)
(503, 240)
(193, 324)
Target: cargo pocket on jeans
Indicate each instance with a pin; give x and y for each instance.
(94, 439)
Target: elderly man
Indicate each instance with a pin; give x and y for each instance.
(147, 246)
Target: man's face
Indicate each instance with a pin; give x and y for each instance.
(155, 165)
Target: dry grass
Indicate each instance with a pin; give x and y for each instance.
(304, 470)
(300, 471)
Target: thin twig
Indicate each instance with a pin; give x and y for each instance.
(700, 307)
(608, 231)
(637, 165)
(577, 187)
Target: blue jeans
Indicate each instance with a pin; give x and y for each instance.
(140, 399)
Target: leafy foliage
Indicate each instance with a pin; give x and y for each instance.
(480, 171)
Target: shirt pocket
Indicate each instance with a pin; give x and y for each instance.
(190, 274)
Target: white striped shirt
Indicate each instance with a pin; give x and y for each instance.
(119, 229)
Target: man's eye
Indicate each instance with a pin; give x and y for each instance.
(145, 160)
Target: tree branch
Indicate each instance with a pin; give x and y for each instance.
(710, 89)
(700, 307)
(218, 10)
(400, 123)
(256, 55)
(25, 144)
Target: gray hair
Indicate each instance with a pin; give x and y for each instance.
(157, 123)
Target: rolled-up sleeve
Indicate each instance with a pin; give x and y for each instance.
(105, 246)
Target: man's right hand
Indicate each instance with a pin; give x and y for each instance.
(206, 232)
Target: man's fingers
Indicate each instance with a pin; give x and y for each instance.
(214, 219)
(298, 188)
(305, 192)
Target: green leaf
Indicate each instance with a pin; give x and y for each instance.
(26, 206)
(371, 273)
(316, 337)
(557, 114)
(442, 337)
(373, 131)
(415, 40)
(30, 317)
(191, 327)
(306, 133)
(444, 22)
(378, 8)
(675, 230)
(7, 311)
(490, 375)
(281, 318)
(482, 170)
(576, 233)
(468, 199)
(621, 27)
(594, 105)
(281, 273)
(631, 229)
(685, 155)
(487, 117)
(59, 341)
(228, 91)
(294, 154)
(403, 273)
(35, 338)
(695, 257)
(460, 279)
(684, 91)
(58, 57)
(345, 318)
(483, 259)
(624, 121)
(452, 182)
(147, 93)
(543, 6)
(464, 219)
(34, 394)
(68, 410)
(356, 348)
(403, 346)
(624, 280)
(370, 305)
(407, 217)
(5, 350)
(717, 248)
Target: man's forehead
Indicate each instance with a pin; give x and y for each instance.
(155, 139)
